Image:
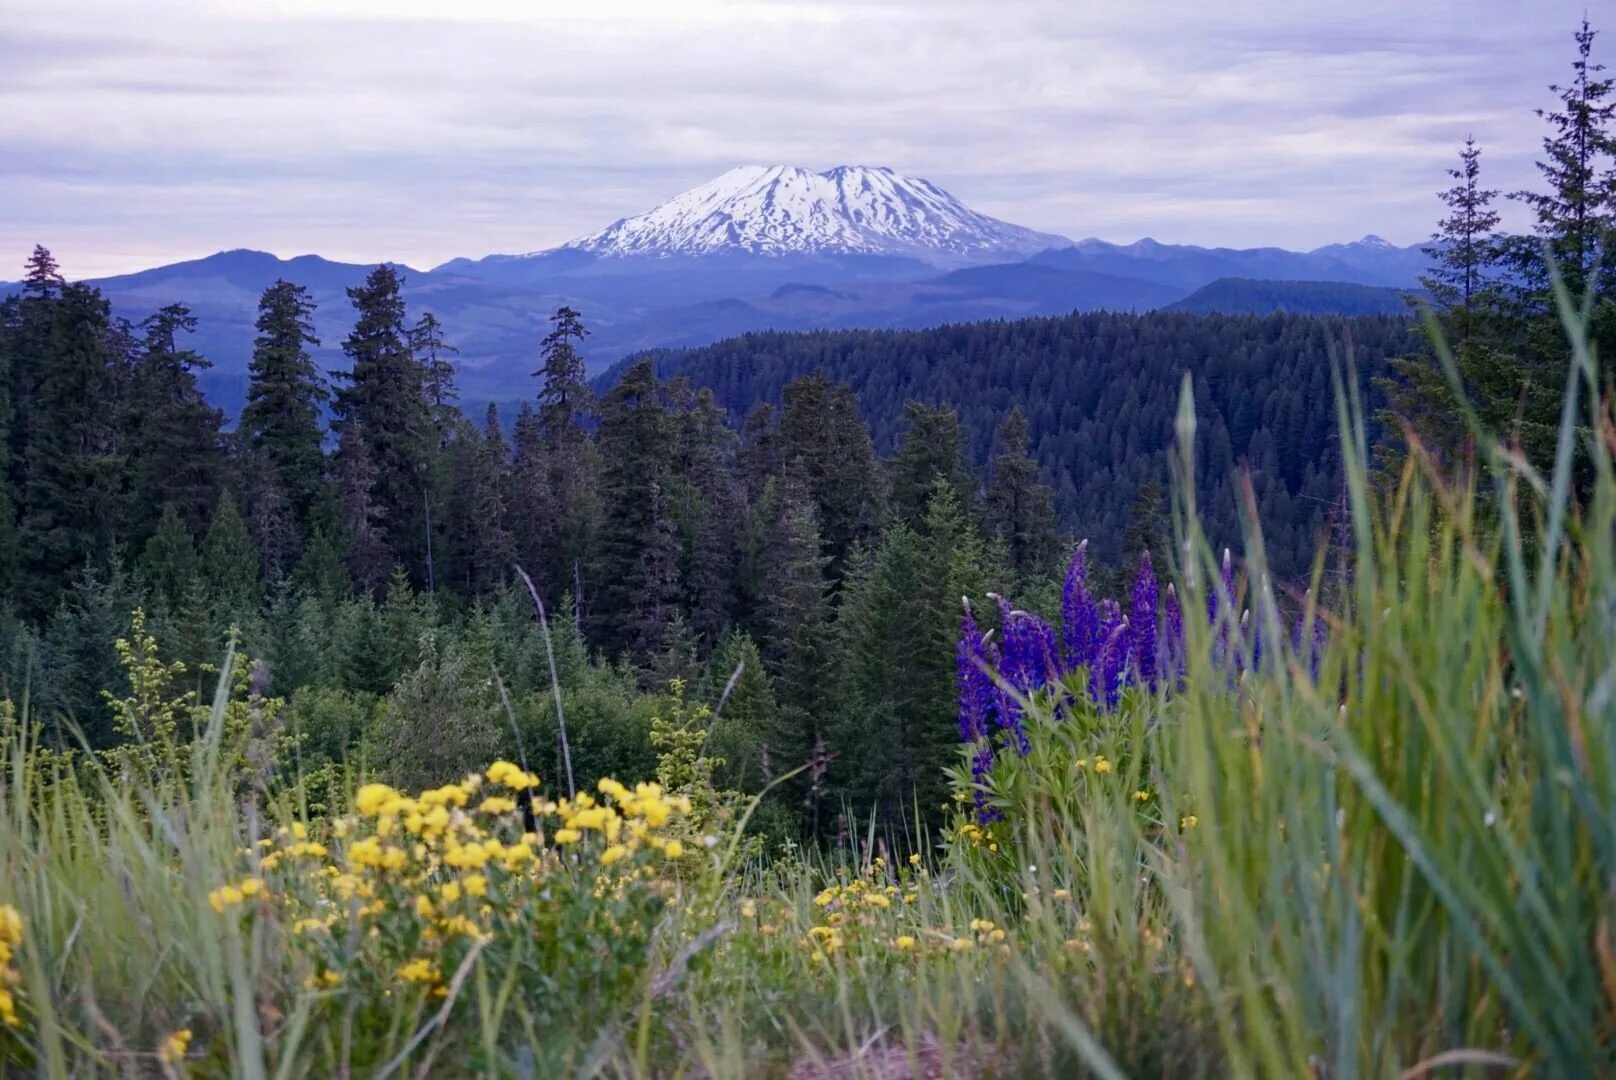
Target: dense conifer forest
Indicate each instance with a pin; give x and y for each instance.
(804, 509)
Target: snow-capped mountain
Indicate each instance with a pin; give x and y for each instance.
(782, 210)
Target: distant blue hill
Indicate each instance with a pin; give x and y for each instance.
(1249, 296)
(495, 310)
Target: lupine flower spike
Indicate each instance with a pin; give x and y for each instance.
(1080, 622)
(1142, 623)
(975, 686)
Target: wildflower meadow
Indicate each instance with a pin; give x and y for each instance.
(1363, 825)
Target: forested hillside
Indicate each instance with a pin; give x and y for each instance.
(818, 542)
(1098, 392)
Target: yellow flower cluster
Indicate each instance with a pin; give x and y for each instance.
(10, 942)
(175, 1047)
(422, 876)
(229, 896)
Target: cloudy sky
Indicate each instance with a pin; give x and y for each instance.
(139, 133)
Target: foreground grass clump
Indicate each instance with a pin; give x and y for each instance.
(1381, 848)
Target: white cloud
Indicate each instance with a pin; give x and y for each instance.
(420, 130)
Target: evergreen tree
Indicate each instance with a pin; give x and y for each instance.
(433, 354)
(363, 519)
(638, 552)
(384, 396)
(529, 495)
(933, 447)
(710, 514)
(170, 434)
(1021, 510)
(231, 563)
(280, 423)
(897, 628)
(71, 471)
(570, 466)
(493, 548)
(168, 561)
(794, 628)
(1578, 207)
(1463, 252)
(822, 438)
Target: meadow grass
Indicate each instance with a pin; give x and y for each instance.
(1392, 853)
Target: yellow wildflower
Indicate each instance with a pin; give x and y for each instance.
(673, 849)
(568, 836)
(175, 1046)
(449, 891)
(424, 908)
(251, 887)
(612, 854)
(497, 804)
(1101, 765)
(476, 885)
(224, 896)
(418, 970)
(903, 942)
(372, 797)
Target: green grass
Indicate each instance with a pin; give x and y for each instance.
(1401, 865)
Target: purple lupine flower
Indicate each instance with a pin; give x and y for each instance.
(1254, 627)
(1080, 622)
(1046, 650)
(1173, 648)
(981, 765)
(1310, 640)
(1110, 665)
(1142, 621)
(1019, 657)
(971, 679)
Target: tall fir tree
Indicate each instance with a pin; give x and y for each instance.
(280, 424)
(638, 554)
(823, 439)
(1020, 509)
(433, 354)
(571, 468)
(708, 505)
(71, 471)
(169, 433)
(793, 630)
(933, 448)
(493, 548)
(383, 393)
(897, 628)
(368, 557)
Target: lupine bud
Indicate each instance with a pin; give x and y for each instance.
(1173, 648)
(972, 681)
(1105, 680)
(1080, 621)
(1142, 623)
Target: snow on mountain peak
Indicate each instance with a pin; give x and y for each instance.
(785, 210)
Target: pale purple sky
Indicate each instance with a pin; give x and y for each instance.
(140, 133)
